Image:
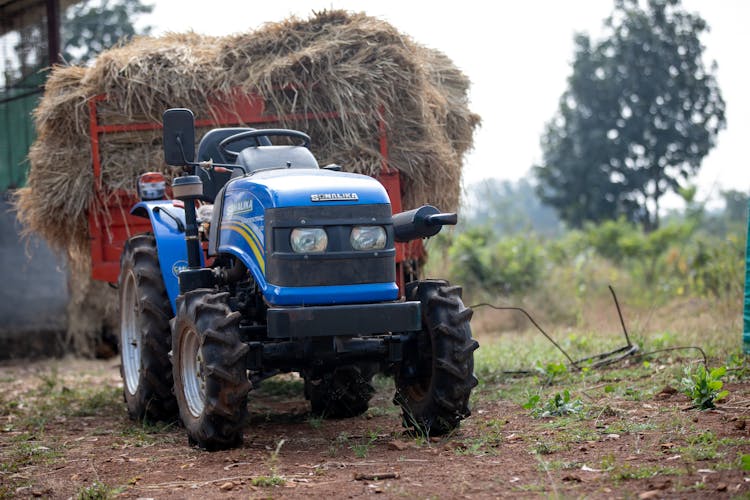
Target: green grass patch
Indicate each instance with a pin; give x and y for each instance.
(281, 386)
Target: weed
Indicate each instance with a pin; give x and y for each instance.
(738, 367)
(362, 449)
(97, 491)
(544, 448)
(551, 370)
(557, 406)
(704, 386)
(627, 471)
(745, 462)
(268, 481)
(145, 433)
(316, 422)
(341, 440)
(273, 464)
(25, 453)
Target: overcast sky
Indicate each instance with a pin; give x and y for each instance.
(517, 55)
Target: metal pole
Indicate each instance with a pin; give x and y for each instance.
(53, 31)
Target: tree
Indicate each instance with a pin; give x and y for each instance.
(90, 27)
(640, 113)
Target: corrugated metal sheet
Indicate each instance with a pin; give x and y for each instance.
(17, 131)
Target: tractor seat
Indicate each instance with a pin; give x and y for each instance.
(265, 157)
(208, 149)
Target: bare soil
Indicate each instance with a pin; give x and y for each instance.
(653, 448)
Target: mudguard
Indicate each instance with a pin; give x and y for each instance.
(167, 223)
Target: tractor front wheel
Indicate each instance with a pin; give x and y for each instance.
(145, 336)
(210, 375)
(435, 380)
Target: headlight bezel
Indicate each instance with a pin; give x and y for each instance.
(368, 238)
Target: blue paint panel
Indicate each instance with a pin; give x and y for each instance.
(329, 295)
(243, 227)
(170, 243)
(293, 187)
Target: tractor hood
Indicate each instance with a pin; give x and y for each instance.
(261, 205)
(310, 187)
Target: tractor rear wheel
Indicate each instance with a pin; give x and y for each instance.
(210, 375)
(435, 380)
(145, 336)
(344, 392)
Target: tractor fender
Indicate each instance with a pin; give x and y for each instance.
(168, 226)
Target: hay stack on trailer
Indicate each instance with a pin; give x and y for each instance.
(350, 64)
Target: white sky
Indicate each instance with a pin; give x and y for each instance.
(518, 56)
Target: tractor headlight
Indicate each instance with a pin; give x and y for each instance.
(309, 240)
(368, 237)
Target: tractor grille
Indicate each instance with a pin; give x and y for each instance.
(340, 264)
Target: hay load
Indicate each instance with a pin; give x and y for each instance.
(336, 61)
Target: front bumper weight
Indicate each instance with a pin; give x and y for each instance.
(343, 320)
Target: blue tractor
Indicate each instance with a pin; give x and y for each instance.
(265, 263)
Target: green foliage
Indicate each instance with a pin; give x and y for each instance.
(551, 370)
(704, 386)
(622, 242)
(511, 265)
(90, 27)
(559, 405)
(640, 113)
(713, 265)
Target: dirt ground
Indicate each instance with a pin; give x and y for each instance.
(65, 433)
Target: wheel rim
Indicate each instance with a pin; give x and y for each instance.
(130, 334)
(192, 372)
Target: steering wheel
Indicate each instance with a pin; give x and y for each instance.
(260, 133)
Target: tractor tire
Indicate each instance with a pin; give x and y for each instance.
(145, 336)
(433, 388)
(210, 375)
(344, 392)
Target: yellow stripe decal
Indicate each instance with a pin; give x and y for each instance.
(251, 239)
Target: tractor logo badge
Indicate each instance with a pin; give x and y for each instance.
(179, 266)
(334, 197)
(238, 207)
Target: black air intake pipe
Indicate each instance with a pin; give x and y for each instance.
(421, 222)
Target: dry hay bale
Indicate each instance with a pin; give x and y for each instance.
(359, 66)
(62, 112)
(148, 75)
(335, 61)
(92, 311)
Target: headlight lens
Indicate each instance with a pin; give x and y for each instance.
(309, 240)
(368, 237)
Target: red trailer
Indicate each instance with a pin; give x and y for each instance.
(111, 224)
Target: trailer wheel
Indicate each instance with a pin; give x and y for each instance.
(344, 392)
(435, 380)
(210, 375)
(145, 336)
